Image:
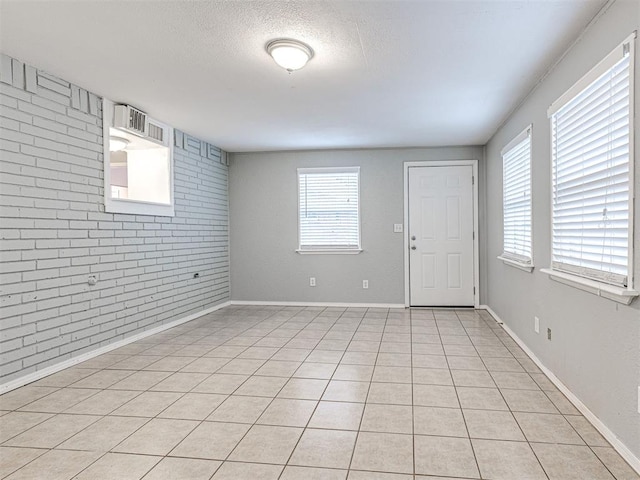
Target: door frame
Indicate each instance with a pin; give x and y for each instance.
(476, 250)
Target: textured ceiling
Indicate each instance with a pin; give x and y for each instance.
(385, 73)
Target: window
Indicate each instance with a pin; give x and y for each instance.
(591, 128)
(329, 210)
(516, 200)
(138, 162)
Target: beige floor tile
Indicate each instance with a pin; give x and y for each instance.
(387, 419)
(103, 402)
(157, 437)
(179, 382)
(503, 365)
(221, 383)
(324, 356)
(446, 422)
(205, 365)
(472, 378)
(435, 396)
(14, 458)
(193, 406)
(278, 368)
(356, 475)
(292, 354)
(337, 415)
(169, 364)
(226, 351)
(211, 440)
(345, 391)
(324, 448)
(242, 366)
(64, 378)
(267, 444)
(310, 473)
(492, 425)
(315, 370)
(288, 412)
(394, 359)
(359, 358)
(53, 431)
(14, 423)
(587, 431)
(383, 452)
(432, 376)
(355, 373)
(547, 428)
(23, 396)
(105, 434)
(140, 381)
(242, 470)
(258, 353)
(460, 350)
(135, 362)
(528, 401)
(261, 386)
(427, 348)
(59, 400)
(501, 460)
(58, 465)
(240, 409)
(120, 466)
(562, 404)
(390, 393)
(303, 389)
(183, 468)
(445, 456)
(570, 462)
(615, 463)
(385, 374)
(513, 380)
(481, 398)
(102, 379)
(465, 363)
(147, 404)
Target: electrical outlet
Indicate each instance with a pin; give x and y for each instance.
(536, 324)
(548, 334)
(312, 281)
(365, 283)
(397, 228)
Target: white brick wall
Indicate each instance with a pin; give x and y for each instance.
(54, 232)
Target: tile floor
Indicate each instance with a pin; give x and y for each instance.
(265, 393)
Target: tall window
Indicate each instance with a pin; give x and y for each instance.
(516, 200)
(591, 173)
(329, 209)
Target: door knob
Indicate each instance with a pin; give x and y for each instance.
(413, 237)
(413, 247)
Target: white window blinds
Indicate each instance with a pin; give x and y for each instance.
(516, 198)
(591, 158)
(329, 208)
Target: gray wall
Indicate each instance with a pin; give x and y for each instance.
(264, 235)
(54, 232)
(595, 346)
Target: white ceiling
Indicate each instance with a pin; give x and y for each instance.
(385, 73)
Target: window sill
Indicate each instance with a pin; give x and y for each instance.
(349, 251)
(134, 207)
(617, 294)
(527, 267)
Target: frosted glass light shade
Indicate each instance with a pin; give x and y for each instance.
(290, 54)
(117, 143)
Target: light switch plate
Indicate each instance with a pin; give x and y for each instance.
(397, 228)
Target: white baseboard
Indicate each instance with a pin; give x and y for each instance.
(32, 377)
(319, 304)
(611, 437)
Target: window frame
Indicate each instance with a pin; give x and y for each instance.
(127, 206)
(620, 294)
(328, 250)
(509, 258)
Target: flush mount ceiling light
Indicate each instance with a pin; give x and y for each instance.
(289, 54)
(117, 143)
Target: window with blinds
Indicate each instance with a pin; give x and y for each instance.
(516, 200)
(329, 209)
(591, 172)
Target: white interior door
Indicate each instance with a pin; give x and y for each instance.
(441, 237)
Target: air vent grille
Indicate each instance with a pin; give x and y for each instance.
(156, 132)
(137, 120)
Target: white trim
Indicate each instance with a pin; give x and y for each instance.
(593, 74)
(318, 304)
(329, 251)
(476, 249)
(612, 292)
(45, 372)
(518, 138)
(611, 437)
(527, 267)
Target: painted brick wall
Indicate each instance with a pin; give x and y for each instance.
(54, 232)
